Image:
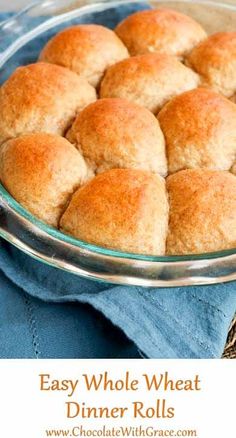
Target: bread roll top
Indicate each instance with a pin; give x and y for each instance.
(121, 209)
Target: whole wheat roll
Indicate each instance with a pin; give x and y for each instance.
(121, 209)
(41, 98)
(116, 133)
(214, 60)
(86, 49)
(42, 171)
(160, 30)
(202, 212)
(149, 80)
(200, 131)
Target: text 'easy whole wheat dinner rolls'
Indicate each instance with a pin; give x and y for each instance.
(149, 80)
(160, 30)
(41, 171)
(41, 98)
(122, 209)
(87, 49)
(115, 133)
(215, 61)
(200, 131)
(202, 212)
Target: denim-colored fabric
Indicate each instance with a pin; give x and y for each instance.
(31, 328)
(45, 312)
(162, 323)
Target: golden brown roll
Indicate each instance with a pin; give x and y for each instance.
(41, 97)
(87, 49)
(200, 131)
(115, 133)
(148, 80)
(160, 30)
(122, 209)
(215, 60)
(41, 171)
(202, 212)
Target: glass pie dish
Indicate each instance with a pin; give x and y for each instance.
(19, 37)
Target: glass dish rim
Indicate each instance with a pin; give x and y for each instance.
(53, 232)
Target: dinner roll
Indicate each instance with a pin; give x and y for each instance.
(148, 80)
(215, 60)
(160, 30)
(200, 131)
(115, 133)
(122, 209)
(202, 211)
(41, 97)
(87, 49)
(41, 171)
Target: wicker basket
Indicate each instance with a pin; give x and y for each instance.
(230, 349)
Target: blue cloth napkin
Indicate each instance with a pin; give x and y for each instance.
(46, 312)
(162, 323)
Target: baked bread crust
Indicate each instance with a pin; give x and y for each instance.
(160, 30)
(87, 49)
(215, 61)
(202, 212)
(121, 209)
(42, 171)
(41, 98)
(115, 133)
(149, 80)
(200, 131)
